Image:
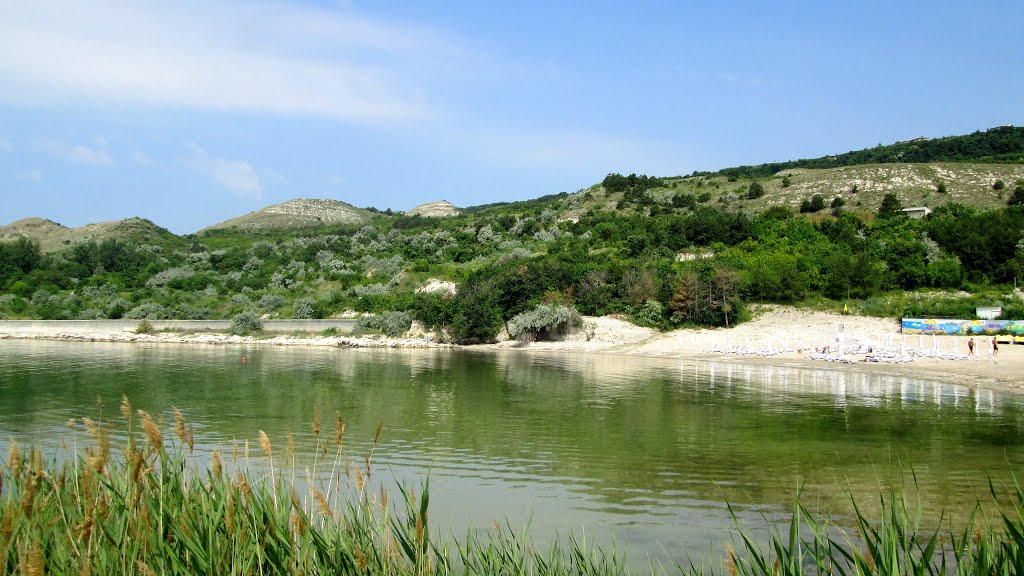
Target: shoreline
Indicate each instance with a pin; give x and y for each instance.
(610, 335)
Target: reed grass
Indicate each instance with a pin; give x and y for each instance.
(146, 505)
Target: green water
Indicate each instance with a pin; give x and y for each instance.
(645, 451)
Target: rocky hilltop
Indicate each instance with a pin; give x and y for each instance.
(296, 214)
(53, 236)
(438, 209)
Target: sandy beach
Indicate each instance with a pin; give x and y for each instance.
(1002, 372)
(778, 326)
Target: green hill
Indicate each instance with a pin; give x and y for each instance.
(662, 251)
(1004, 144)
(297, 213)
(53, 236)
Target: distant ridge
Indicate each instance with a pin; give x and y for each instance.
(1002, 145)
(299, 213)
(439, 209)
(53, 236)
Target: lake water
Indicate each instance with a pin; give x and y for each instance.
(645, 451)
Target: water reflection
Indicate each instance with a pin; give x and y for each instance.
(646, 449)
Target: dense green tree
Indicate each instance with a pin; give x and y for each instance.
(478, 315)
(815, 204)
(755, 191)
(1017, 198)
(891, 206)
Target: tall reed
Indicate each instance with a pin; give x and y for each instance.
(143, 506)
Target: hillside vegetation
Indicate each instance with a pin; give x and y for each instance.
(662, 251)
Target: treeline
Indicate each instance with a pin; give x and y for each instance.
(997, 145)
(684, 263)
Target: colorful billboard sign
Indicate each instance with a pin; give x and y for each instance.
(945, 326)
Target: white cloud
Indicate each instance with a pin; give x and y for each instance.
(247, 56)
(141, 158)
(30, 175)
(75, 153)
(568, 149)
(238, 177)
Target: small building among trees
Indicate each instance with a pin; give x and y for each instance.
(917, 211)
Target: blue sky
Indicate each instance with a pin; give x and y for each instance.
(191, 112)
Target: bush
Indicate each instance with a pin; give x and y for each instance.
(1017, 199)
(755, 191)
(650, 314)
(245, 323)
(271, 302)
(91, 314)
(543, 322)
(186, 312)
(390, 323)
(305, 308)
(999, 185)
(815, 204)
(150, 310)
(144, 327)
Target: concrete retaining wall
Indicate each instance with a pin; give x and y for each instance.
(344, 327)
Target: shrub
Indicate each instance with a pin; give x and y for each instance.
(186, 312)
(91, 314)
(117, 308)
(245, 323)
(999, 185)
(144, 327)
(755, 191)
(815, 204)
(305, 308)
(891, 205)
(390, 323)
(543, 322)
(650, 314)
(941, 187)
(1017, 198)
(150, 310)
(271, 302)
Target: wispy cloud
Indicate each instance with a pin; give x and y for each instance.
(75, 153)
(241, 56)
(141, 158)
(236, 176)
(540, 148)
(30, 175)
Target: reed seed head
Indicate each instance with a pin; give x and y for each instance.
(316, 420)
(322, 504)
(182, 431)
(142, 569)
(126, 407)
(265, 444)
(376, 434)
(216, 463)
(361, 560)
(14, 457)
(156, 439)
(229, 514)
(339, 430)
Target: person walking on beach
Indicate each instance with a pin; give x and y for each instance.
(995, 347)
(970, 347)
